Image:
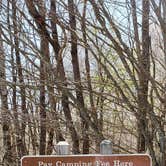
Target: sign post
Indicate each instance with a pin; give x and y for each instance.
(106, 147)
(88, 160)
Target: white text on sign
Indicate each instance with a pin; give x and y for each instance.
(97, 163)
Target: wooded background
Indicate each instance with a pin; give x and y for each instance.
(82, 71)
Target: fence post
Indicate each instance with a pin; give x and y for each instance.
(62, 148)
(106, 147)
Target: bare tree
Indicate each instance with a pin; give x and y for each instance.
(21, 138)
(5, 115)
(76, 72)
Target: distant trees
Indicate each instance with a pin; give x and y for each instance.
(82, 71)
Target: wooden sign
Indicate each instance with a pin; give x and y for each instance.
(88, 160)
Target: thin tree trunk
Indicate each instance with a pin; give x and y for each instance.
(144, 62)
(87, 67)
(76, 72)
(42, 102)
(62, 78)
(44, 48)
(14, 79)
(50, 141)
(163, 137)
(55, 126)
(7, 158)
(51, 76)
(21, 141)
(21, 145)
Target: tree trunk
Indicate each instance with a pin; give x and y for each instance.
(163, 137)
(42, 106)
(14, 96)
(44, 48)
(21, 145)
(63, 83)
(76, 72)
(7, 146)
(42, 103)
(144, 64)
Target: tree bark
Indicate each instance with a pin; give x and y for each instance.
(7, 145)
(62, 78)
(144, 63)
(44, 48)
(21, 145)
(42, 105)
(163, 136)
(76, 72)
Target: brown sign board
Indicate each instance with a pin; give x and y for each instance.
(88, 160)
